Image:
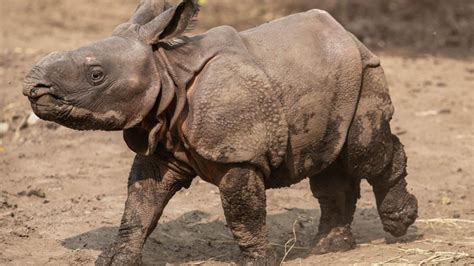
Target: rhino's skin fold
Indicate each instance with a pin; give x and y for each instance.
(295, 98)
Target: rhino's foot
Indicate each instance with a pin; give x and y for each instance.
(397, 208)
(338, 239)
(269, 258)
(118, 256)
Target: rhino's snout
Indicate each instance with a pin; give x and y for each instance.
(37, 83)
(39, 90)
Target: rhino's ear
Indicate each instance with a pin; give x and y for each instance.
(170, 24)
(148, 10)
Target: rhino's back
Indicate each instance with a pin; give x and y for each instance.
(315, 68)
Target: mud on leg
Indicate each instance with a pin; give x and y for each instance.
(243, 199)
(337, 194)
(150, 187)
(372, 152)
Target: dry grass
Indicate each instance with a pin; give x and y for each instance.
(449, 221)
(290, 244)
(436, 256)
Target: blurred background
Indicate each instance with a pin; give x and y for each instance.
(62, 191)
(425, 26)
(422, 26)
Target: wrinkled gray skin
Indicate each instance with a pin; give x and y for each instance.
(265, 108)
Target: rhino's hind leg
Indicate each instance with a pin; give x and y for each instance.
(372, 152)
(337, 195)
(396, 206)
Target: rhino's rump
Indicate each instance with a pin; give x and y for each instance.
(315, 68)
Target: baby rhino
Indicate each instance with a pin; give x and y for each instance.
(299, 97)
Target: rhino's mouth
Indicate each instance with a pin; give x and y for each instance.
(47, 105)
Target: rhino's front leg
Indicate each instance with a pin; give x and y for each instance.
(151, 185)
(243, 199)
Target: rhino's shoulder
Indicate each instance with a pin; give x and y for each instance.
(232, 115)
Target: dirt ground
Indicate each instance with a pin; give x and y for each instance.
(63, 191)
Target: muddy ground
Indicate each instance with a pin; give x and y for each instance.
(63, 191)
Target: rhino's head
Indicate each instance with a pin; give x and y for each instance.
(111, 84)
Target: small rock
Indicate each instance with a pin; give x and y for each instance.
(23, 233)
(441, 84)
(445, 200)
(456, 216)
(36, 192)
(4, 127)
(33, 192)
(378, 241)
(445, 111)
(4, 202)
(433, 112)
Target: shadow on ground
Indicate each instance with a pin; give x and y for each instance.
(197, 236)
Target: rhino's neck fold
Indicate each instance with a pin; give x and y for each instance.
(176, 86)
(177, 67)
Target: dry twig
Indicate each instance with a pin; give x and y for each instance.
(283, 246)
(436, 256)
(293, 241)
(392, 259)
(445, 221)
(444, 242)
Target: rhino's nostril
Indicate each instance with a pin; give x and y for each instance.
(39, 90)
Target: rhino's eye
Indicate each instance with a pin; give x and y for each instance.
(96, 75)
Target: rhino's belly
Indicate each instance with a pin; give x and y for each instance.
(316, 138)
